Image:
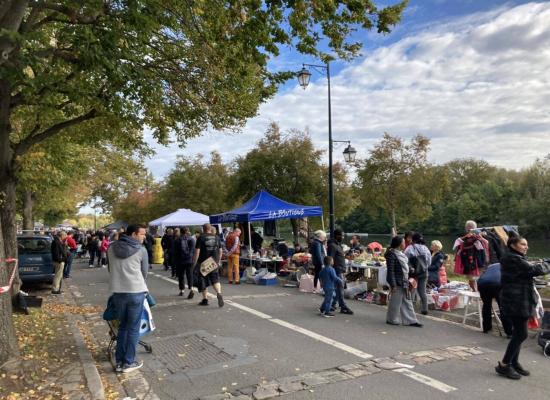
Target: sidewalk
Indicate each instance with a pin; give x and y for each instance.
(56, 361)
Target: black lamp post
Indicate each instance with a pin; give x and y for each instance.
(349, 153)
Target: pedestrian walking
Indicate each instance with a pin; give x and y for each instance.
(103, 247)
(420, 259)
(329, 281)
(71, 253)
(518, 300)
(233, 249)
(166, 243)
(336, 251)
(187, 244)
(400, 308)
(175, 253)
(128, 268)
(59, 257)
(93, 249)
(318, 253)
(208, 246)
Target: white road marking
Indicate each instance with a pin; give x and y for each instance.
(321, 338)
(288, 325)
(249, 310)
(426, 380)
(406, 370)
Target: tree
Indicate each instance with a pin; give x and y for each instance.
(195, 183)
(289, 167)
(105, 69)
(397, 178)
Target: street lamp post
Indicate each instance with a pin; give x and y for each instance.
(349, 153)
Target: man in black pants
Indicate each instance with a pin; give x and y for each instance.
(336, 251)
(184, 268)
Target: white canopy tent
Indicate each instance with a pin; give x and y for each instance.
(180, 217)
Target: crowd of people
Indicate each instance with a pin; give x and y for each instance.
(493, 261)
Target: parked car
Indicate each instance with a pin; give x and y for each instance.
(35, 258)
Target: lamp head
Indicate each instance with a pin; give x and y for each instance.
(349, 154)
(303, 77)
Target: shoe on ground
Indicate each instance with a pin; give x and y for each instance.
(519, 369)
(56, 292)
(417, 325)
(238, 283)
(132, 367)
(424, 312)
(332, 308)
(507, 371)
(90, 266)
(346, 311)
(204, 302)
(181, 293)
(220, 300)
(118, 368)
(392, 323)
(229, 282)
(190, 295)
(328, 315)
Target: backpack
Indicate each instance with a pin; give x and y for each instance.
(419, 263)
(185, 250)
(470, 256)
(544, 334)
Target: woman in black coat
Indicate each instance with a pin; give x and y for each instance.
(518, 301)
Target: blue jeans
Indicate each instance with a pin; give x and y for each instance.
(327, 302)
(339, 292)
(68, 264)
(129, 307)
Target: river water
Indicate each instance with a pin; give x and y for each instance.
(537, 247)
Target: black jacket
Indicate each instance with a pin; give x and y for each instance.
(59, 250)
(433, 269)
(335, 251)
(394, 276)
(517, 297)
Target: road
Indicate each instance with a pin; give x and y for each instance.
(273, 336)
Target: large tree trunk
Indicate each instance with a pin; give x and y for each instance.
(8, 340)
(28, 203)
(8, 241)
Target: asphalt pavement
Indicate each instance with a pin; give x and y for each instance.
(269, 338)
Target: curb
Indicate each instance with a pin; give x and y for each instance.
(95, 386)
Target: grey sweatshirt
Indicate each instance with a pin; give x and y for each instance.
(128, 266)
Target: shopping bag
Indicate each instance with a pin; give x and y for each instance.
(146, 325)
(306, 284)
(533, 323)
(208, 266)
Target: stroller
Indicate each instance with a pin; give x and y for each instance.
(146, 326)
(543, 336)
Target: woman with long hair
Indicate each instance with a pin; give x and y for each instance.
(518, 301)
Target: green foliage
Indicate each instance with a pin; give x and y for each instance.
(398, 179)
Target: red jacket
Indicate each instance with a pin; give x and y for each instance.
(70, 242)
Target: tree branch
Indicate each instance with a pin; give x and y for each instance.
(31, 140)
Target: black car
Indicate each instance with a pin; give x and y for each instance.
(35, 258)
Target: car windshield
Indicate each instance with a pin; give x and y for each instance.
(33, 245)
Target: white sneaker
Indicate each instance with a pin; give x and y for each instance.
(132, 367)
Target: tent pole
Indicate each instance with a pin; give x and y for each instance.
(249, 239)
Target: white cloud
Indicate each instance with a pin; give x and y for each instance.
(478, 86)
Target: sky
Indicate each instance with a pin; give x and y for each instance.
(473, 76)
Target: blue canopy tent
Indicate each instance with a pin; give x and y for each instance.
(264, 207)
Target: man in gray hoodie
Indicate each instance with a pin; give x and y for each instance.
(128, 267)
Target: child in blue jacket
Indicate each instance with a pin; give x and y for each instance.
(329, 279)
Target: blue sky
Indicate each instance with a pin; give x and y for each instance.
(471, 75)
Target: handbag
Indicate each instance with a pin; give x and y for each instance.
(150, 300)
(208, 266)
